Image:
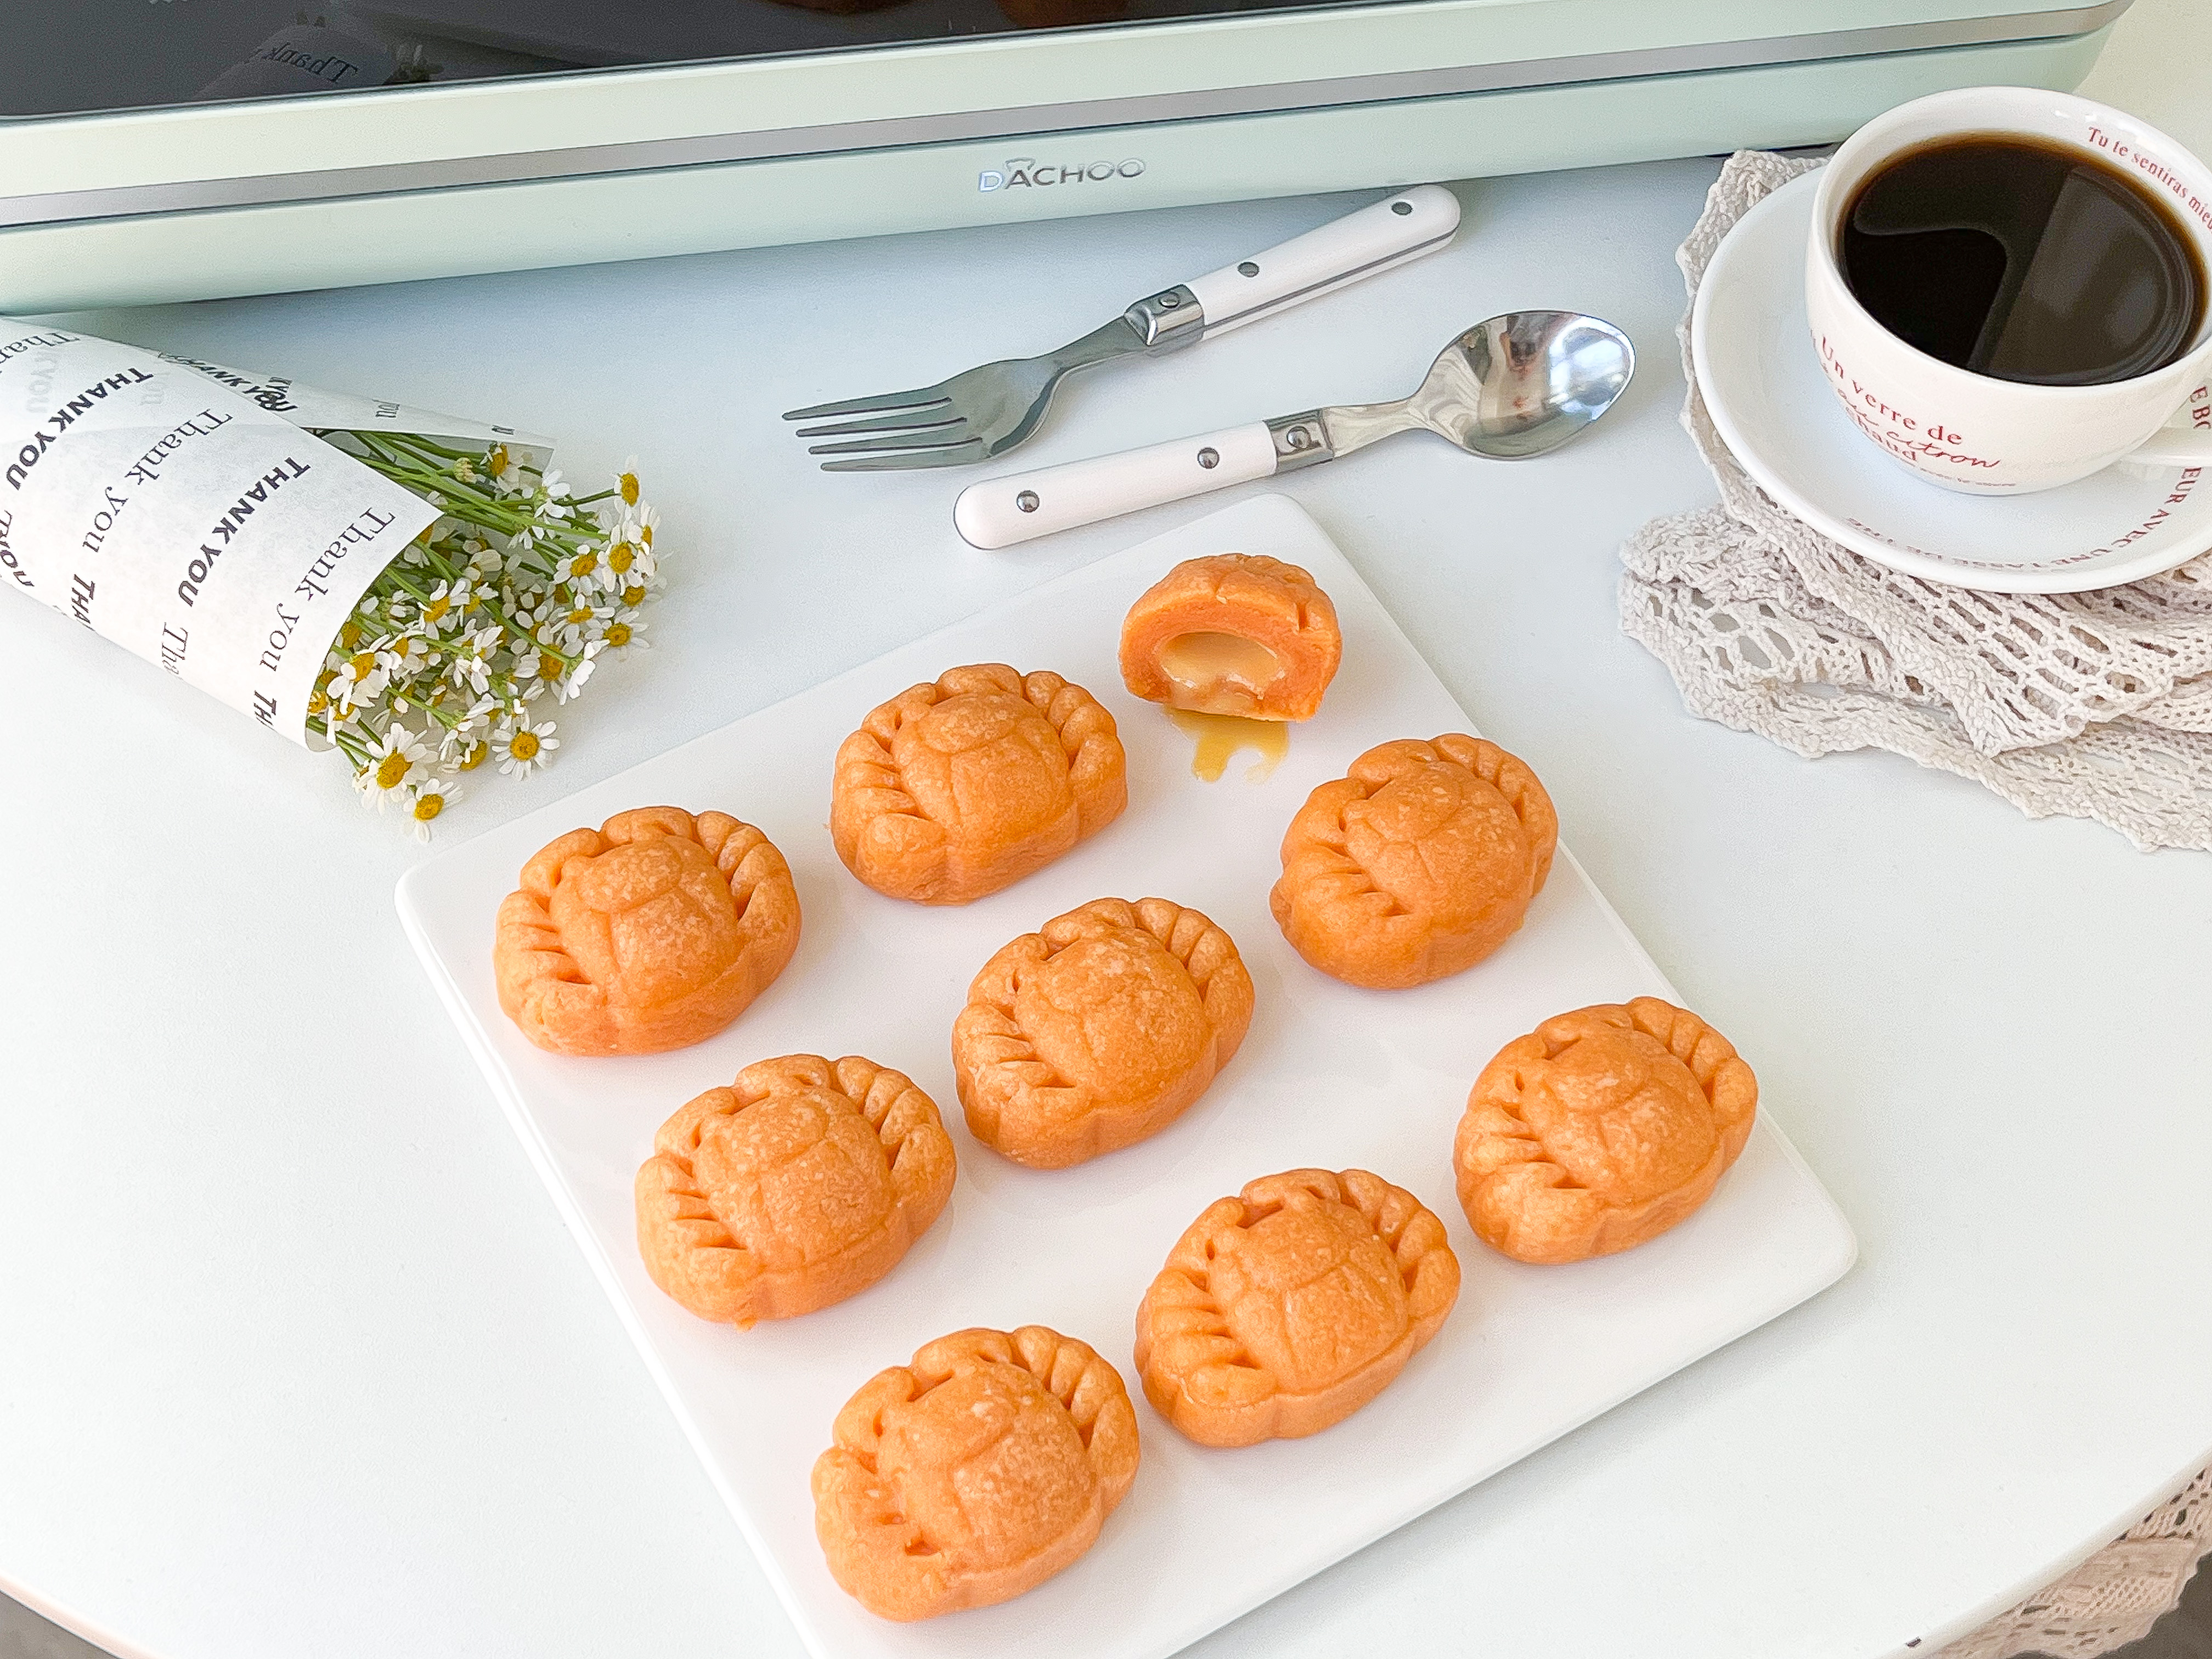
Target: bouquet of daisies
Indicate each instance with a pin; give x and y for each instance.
(403, 587)
(512, 596)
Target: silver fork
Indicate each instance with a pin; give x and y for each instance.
(987, 410)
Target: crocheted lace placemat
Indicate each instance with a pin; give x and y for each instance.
(2112, 1598)
(2092, 705)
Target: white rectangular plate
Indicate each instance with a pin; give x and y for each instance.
(1329, 1076)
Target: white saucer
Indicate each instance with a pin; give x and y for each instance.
(1764, 387)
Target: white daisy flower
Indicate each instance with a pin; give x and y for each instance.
(573, 682)
(468, 728)
(447, 610)
(469, 667)
(525, 748)
(427, 800)
(359, 678)
(395, 761)
(626, 634)
(552, 503)
(626, 482)
(403, 655)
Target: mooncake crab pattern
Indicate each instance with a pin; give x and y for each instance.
(1284, 1310)
(1233, 633)
(1099, 1029)
(954, 790)
(802, 1183)
(1417, 864)
(974, 1473)
(1599, 1129)
(652, 932)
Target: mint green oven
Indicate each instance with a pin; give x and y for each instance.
(226, 146)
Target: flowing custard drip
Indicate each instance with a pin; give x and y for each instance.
(1220, 737)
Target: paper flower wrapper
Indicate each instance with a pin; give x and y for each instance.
(188, 512)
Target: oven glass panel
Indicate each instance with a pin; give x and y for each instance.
(63, 57)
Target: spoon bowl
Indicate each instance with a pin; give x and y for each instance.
(1518, 385)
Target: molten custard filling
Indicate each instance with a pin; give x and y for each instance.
(1218, 673)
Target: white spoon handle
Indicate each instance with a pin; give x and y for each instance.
(1001, 511)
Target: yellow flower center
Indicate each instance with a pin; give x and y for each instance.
(633, 596)
(429, 806)
(522, 745)
(645, 534)
(317, 701)
(621, 558)
(618, 635)
(580, 614)
(350, 636)
(473, 756)
(360, 666)
(391, 769)
(630, 488)
(436, 610)
(496, 462)
(583, 564)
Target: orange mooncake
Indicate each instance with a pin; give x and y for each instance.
(1233, 633)
(1284, 1310)
(802, 1183)
(1601, 1129)
(1099, 1029)
(954, 790)
(652, 932)
(1417, 865)
(974, 1473)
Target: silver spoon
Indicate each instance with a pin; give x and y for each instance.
(1517, 385)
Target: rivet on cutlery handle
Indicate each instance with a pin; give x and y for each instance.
(1001, 511)
(1400, 228)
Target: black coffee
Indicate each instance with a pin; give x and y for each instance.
(2024, 260)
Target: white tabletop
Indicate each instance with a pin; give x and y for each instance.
(296, 1357)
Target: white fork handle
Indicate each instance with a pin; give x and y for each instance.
(999, 512)
(1398, 229)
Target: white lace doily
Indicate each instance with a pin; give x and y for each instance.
(2092, 705)
(2114, 1597)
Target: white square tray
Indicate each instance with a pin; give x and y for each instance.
(1329, 1076)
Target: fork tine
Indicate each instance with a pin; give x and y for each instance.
(929, 438)
(960, 454)
(912, 420)
(920, 397)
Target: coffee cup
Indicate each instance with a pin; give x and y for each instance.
(1975, 432)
